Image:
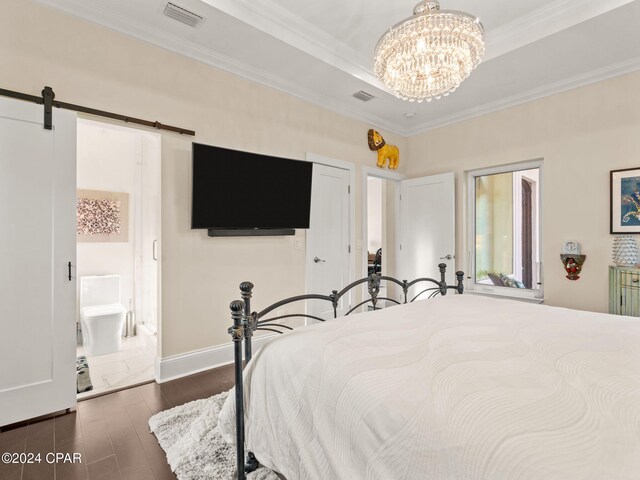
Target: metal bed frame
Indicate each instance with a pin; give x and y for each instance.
(245, 322)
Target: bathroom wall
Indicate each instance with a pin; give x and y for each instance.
(107, 160)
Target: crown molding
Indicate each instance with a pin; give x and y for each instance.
(577, 81)
(347, 108)
(543, 22)
(217, 60)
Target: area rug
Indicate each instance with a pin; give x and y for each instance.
(195, 449)
(83, 379)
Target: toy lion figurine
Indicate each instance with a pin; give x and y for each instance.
(385, 152)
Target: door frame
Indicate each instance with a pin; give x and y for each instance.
(141, 130)
(351, 168)
(383, 174)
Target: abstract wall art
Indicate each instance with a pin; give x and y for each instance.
(102, 216)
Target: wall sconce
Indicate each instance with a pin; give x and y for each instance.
(572, 260)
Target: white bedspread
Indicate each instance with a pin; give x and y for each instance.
(460, 387)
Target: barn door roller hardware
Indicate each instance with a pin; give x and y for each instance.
(48, 100)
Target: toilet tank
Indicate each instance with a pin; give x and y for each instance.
(99, 290)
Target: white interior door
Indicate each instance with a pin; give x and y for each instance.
(328, 238)
(427, 227)
(37, 299)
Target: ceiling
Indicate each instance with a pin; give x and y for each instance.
(322, 51)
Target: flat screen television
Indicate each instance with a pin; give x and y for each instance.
(242, 193)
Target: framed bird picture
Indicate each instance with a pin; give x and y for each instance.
(625, 201)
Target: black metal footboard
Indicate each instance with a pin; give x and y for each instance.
(245, 322)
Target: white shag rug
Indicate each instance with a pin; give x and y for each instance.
(195, 449)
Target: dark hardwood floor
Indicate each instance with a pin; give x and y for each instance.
(110, 432)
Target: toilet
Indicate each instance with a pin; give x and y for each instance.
(101, 314)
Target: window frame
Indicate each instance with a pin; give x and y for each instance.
(537, 292)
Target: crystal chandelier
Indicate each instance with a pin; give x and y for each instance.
(430, 54)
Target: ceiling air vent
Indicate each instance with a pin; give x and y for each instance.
(364, 96)
(182, 15)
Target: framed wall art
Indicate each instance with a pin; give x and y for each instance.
(102, 216)
(625, 201)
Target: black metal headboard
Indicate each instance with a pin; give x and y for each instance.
(245, 322)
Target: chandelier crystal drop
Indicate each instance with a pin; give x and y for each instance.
(430, 54)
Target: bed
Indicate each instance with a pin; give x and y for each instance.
(454, 387)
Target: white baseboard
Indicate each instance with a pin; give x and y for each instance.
(184, 364)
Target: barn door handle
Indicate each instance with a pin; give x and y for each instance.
(69, 267)
(447, 257)
(155, 250)
(318, 260)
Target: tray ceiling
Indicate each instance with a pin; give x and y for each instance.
(322, 51)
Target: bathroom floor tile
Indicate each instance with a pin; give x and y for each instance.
(122, 379)
(110, 367)
(140, 362)
(131, 365)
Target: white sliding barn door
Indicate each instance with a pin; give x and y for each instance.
(427, 228)
(328, 238)
(38, 240)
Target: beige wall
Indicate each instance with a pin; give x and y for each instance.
(93, 66)
(582, 135)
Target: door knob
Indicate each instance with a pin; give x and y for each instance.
(318, 260)
(447, 257)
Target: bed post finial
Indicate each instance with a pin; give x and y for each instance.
(443, 282)
(443, 268)
(460, 279)
(237, 330)
(334, 302)
(237, 334)
(374, 288)
(246, 288)
(246, 291)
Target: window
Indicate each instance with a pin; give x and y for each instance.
(504, 242)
